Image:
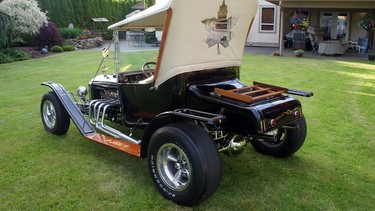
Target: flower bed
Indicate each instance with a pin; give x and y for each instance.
(85, 43)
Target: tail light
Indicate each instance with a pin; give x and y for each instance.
(273, 122)
(297, 114)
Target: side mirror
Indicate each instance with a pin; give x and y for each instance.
(105, 52)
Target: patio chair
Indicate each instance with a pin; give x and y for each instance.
(314, 43)
(351, 45)
(362, 45)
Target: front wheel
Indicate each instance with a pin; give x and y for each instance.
(288, 141)
(184, 163)
(55, 118)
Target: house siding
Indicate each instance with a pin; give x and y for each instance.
(258, 38)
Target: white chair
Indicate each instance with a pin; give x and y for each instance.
(351, 45)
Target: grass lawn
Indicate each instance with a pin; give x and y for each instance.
(334, 170)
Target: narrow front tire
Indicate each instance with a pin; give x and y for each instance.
(55, 118)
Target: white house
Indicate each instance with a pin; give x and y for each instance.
(265, 28)
(337, 18)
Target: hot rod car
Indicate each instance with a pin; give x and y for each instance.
(190, 103)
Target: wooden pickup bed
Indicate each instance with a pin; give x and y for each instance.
(252, 93)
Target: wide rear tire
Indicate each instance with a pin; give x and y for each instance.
(55, 118)
(288, 141)
(184, 163)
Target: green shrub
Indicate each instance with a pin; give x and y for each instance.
(107, 35)
(68, 33)
(10, 55)
(21, 55)
(17, 55)
(69, 48)
(299, 52)
(57, 49)
(4, 58)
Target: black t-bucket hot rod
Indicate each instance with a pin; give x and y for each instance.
(190, 105)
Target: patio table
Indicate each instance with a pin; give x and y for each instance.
(136, 37)
(331, 47)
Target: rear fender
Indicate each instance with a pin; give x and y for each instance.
(158, 122)
(166, 118)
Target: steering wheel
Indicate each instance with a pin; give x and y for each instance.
(146, 69)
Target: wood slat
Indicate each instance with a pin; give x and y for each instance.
(244, 94)
(231, 95)
(276, 88)
(257, 91)
(243, 88)
(268, 95)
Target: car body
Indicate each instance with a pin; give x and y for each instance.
(191, 106)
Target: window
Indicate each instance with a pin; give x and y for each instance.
(268, 19)
(335, 25)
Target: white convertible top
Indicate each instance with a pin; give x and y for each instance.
(197, 35)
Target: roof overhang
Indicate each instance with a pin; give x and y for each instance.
(314, 4)
(153, 16)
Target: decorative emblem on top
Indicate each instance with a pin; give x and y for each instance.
(219, 29)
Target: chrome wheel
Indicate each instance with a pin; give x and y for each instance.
(49, 114)
(174, 167)
(184, 163)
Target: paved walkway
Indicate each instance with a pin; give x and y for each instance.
(126, 46)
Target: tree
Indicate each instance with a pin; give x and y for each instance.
(3, 33)
(148, 3)
(116, 10)
(54, 13)
(25, 18)
(67, 12)
(78, 12)
(48, 36)
(87, 13)
(95, 8)
(45, 6)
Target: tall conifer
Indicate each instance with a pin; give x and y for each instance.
(66, 12)
(87, 13)
(78, 12)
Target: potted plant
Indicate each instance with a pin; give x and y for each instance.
(299, 52)
(367, 23)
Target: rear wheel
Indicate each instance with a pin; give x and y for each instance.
(55, 118)
(288, 141)
(184, 163)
